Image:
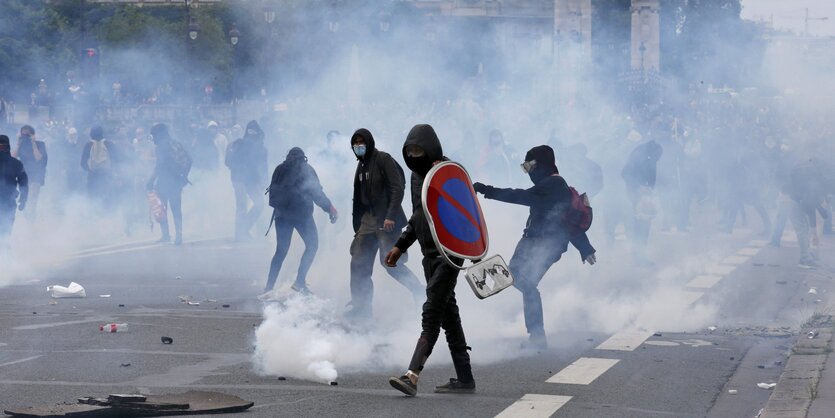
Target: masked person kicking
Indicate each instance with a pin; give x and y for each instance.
(293, 190)
(421, 151)
(545, 238)
(378, 218)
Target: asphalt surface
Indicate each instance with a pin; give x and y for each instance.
(53, 353)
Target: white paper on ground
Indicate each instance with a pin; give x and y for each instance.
(74, 290)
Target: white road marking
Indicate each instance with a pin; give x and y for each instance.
(758, 243)
(627, 340)
(690, 297)
(735, 260)
(662, 343)
(704, 281)
(749, 251)
(21, 360)
(59, 324)
(719, 269)
(534, 406)
(696, 343)
(583, 371)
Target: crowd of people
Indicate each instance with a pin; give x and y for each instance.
(644, 170)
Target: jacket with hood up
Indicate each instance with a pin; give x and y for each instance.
(12, 178)
(247, 157)
(418, 228)
(379, 186)
(298, 187)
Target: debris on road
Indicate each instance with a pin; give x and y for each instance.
(812, 334)
(767, 386)
(74, 290)
(113, 327)
(53, 302)
(781, 282)
(711, 328)
(282, 378)
(124, 365)
(225, 306)
(104, 296)
(189, 403)
(732, 392)
(334, 383)
(813, 291)
(167, 340)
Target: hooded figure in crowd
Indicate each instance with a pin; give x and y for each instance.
(378, 219)
(545, 238)
(639, 175)
(246, 158)
(14, 188)
(97, 159)
(421, 151)
(294, 189)
(168, 179)
(32, 153)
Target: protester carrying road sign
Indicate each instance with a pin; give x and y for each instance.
(421, 151)
(553, 222)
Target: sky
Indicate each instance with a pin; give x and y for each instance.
(789, 14)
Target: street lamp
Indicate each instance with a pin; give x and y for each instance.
(234, 35)
(193, 28)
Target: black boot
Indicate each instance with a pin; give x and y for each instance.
(456, 386)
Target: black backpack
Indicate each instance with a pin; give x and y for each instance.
(181, 159)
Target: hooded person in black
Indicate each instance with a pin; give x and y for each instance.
(14, 188)
(639, 174)
(32, 153)
(545, 238)
(294, 189)
(378, 219)
(246, 158)
(168, 179)
(421, 151)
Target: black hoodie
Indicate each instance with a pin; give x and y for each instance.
(418, 228)
(12, 178)
(299, 188)
(379, 185)
(247, 157)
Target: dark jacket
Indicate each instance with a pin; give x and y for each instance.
(418, 227)
(168, 175)
(247, 157)
(12, 178)
(299, 186)
(548, 199)
(36, 170)
(379, 186)
(640, 169)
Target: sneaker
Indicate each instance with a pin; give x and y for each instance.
(404, 384)
(456, 386)
(178, 241)
(807, 264)
(302, 289)
(535, 342)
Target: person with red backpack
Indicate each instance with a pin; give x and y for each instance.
(558, 216)
(168, 179)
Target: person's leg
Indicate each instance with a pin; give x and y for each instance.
(283, 234)
(176, 202)
(363, 249)
(783, 209)
(530, 261)
(759, 206)
(256, 195)
(163, 224)
(240, 210)
(32, 202)
(310, 236)
(401, 273)
(457, 341)
(800, 221)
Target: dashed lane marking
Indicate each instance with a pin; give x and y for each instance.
(749, 251)
(534, 405)
(627, 340)
(719, 269)
(735, 260)
(583, 371)
(758, 243)
(704, 281)
(689, 297)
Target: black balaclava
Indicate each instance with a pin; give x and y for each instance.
(296, 155)
(4, 144)
(424, 137)
(160, 133)
(545, 162)
(253, 125)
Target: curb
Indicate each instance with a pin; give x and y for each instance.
(798, 384)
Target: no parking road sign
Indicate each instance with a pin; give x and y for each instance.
(453, 212)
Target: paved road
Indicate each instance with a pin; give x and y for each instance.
(625, 341)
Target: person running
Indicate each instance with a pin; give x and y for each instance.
(14, 188)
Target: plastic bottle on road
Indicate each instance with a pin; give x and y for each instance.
(114, 327)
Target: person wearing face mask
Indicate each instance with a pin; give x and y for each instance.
(14, 188)
(32, 153)
(378, 219)
(545, 237)
(247, 161)
(421, 151)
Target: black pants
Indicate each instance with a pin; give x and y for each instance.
(7, 215)
(172, 199)
(364, 248)
(441, 311)
(283, 234)
(531, 260)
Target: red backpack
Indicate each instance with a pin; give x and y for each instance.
(577, 218)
